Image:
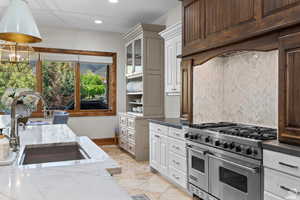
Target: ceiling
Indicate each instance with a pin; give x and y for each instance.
(81, 13)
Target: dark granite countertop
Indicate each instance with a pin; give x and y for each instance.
(171, 122)
(277, 146)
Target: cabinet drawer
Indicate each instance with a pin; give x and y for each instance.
(123, 143)
(178, 177)
(131, 148)
(123, 132)
(178, 162)
(177, 147)
(176, 133)
(157, 128)
(269, 196)
(123, 121)
(131, 123)
(131, 136)
(282, 162)
(282, 185)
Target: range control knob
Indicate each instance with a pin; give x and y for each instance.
(238, 148)
(217, 143)
(225, 145)
(194, 137)
(255, 152)
(232, 145)
(249, 151)
(207, 139)
(186, 135)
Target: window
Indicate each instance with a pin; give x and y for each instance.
(58, 84)
(81, 82)
(16, 76)
(93, 86)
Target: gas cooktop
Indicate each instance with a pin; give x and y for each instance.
(240, 130)
(234, 137)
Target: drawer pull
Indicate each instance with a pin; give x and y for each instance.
(193, 178)
(288, 165)
(175, 147)
(176, 177)
(290, 190)
(157, 136)
(177, 134)
(177, 163)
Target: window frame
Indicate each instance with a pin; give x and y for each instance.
(77, 112)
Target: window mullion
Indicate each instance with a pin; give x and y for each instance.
(39, 80)
(77, 87)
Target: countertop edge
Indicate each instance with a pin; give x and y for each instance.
(279, 147)
(170, 122)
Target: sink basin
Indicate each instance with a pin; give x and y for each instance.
(47, 153)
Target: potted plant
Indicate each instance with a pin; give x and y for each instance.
(25, 105)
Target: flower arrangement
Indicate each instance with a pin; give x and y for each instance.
(8, 97)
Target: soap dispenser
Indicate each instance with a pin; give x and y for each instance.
(4, 146)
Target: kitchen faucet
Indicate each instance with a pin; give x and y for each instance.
(14, 138)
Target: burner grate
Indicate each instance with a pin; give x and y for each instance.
(258, 133)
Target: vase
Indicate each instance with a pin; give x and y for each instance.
(23, 111)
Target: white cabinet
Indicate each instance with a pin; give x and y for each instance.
(168, 153)
(164, 164)
(282, 177)
(173, 46)
(155, 151)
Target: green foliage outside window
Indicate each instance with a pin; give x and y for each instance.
(58, 83)
(16, 76)
(92, 85)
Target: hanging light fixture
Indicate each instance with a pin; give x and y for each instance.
(18, 24)
(16, 53)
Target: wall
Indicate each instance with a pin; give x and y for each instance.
(173, 16)
(172, 103)
(94, 127)
(239, 88)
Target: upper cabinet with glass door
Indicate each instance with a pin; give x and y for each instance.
(144, 73)
(129, 59)
(134, 59)
(138, 66)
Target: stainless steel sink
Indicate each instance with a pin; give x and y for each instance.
(47, 153)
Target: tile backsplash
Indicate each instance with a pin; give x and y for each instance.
(242, 87)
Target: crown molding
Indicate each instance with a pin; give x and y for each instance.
(172, 31)
(140, 28)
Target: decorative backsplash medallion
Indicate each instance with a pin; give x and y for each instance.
(241, 87)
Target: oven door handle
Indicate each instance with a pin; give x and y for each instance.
(253, 170)
(190, 147)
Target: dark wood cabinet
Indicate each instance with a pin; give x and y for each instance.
(187, 90)
(289, 88)
(221, 15)
(193, 21)
(273, 6)
(208, 24)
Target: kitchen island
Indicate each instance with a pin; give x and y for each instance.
(77, 180)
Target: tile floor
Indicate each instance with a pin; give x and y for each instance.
(137, 178)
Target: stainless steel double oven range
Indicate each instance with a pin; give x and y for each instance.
(225, 160)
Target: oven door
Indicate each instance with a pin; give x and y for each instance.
(198, 167)
(231, 180)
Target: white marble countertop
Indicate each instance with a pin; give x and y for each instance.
(72, 180)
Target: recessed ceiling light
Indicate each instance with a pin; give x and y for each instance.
(97, 21)
(114, 1)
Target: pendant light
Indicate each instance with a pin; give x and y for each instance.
(18, 24)
(15, 53)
